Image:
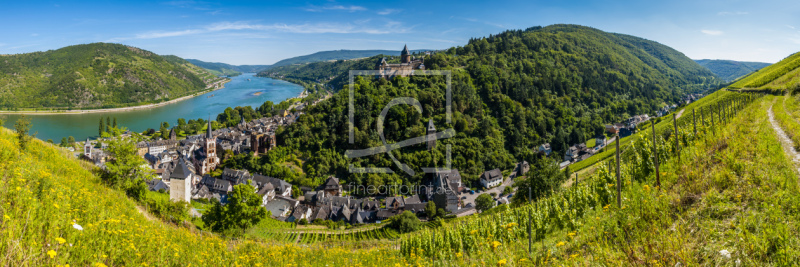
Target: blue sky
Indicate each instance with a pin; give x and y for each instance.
(263, 32)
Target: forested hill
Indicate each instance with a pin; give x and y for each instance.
(511, 92)
(730, 70)
(782, 75)
(227, 69)
(93, 76)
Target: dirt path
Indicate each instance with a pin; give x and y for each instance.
(680, 113)
(788, 145)
(146, 214)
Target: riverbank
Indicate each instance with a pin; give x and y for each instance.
(104, 110)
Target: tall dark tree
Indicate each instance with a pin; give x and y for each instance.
(102, 128)
(22, 126)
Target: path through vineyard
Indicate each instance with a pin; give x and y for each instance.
(788, 145)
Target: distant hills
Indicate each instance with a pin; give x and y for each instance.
(97, 75)
(228, 69)
(339, 55)
(730, 70)
(781, 75)
(220, 69)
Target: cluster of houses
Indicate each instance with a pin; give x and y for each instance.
(183, 169)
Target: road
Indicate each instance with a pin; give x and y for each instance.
(470, 198)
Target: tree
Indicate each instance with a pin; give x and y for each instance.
(50, 141)
(126, 167)
(405, 222)
(430, 210)
(484, 202)
(115, 122)
(508, 190)
(71, 141)
(22, 127)
(102, 128)
(543, 179)
(108, 123)
(242, 211)
(164, 133)
(64, 142)
(302, 221)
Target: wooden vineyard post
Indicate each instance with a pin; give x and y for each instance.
(619, 181)
(719, 112)
(655, 156)
(675, 122)
(712, 117)
(530, 222)
(576, 178)
(703, 120)
(694, 121)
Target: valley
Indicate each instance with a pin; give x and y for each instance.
(191, 133)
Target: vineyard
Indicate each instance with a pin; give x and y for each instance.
(591, 206)
(776, 76)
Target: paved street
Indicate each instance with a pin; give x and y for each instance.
(499, 190)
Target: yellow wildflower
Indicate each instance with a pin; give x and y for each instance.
(495, 244)
(100, 265)
(458, 255)
(501, 262)
(51, 253)
(560, 244)
(6, 217)
(60, 240)
(473, 232)
(571, 234)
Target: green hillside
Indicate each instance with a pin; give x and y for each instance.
(511, 92)
(781, 75)
(730, 70)
(93, 76)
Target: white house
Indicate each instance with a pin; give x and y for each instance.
(491, 178)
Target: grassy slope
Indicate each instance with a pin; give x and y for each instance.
(780, 75)
(43, 191)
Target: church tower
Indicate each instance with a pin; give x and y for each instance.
(87, 149)
(431, 131)
(405, 56)
(211, 149)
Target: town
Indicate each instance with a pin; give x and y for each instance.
(184, 170)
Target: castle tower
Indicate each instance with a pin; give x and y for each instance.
(405, 56)
(431, 140)
(180, 185)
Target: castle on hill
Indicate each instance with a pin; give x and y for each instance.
(408, 64)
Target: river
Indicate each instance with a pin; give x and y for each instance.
(238, 92)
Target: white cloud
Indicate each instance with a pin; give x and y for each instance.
(389, 11)
(162, 34)
(309, 28)
(336, 7)
(711, 32)
(728, 13)
(790, 27)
